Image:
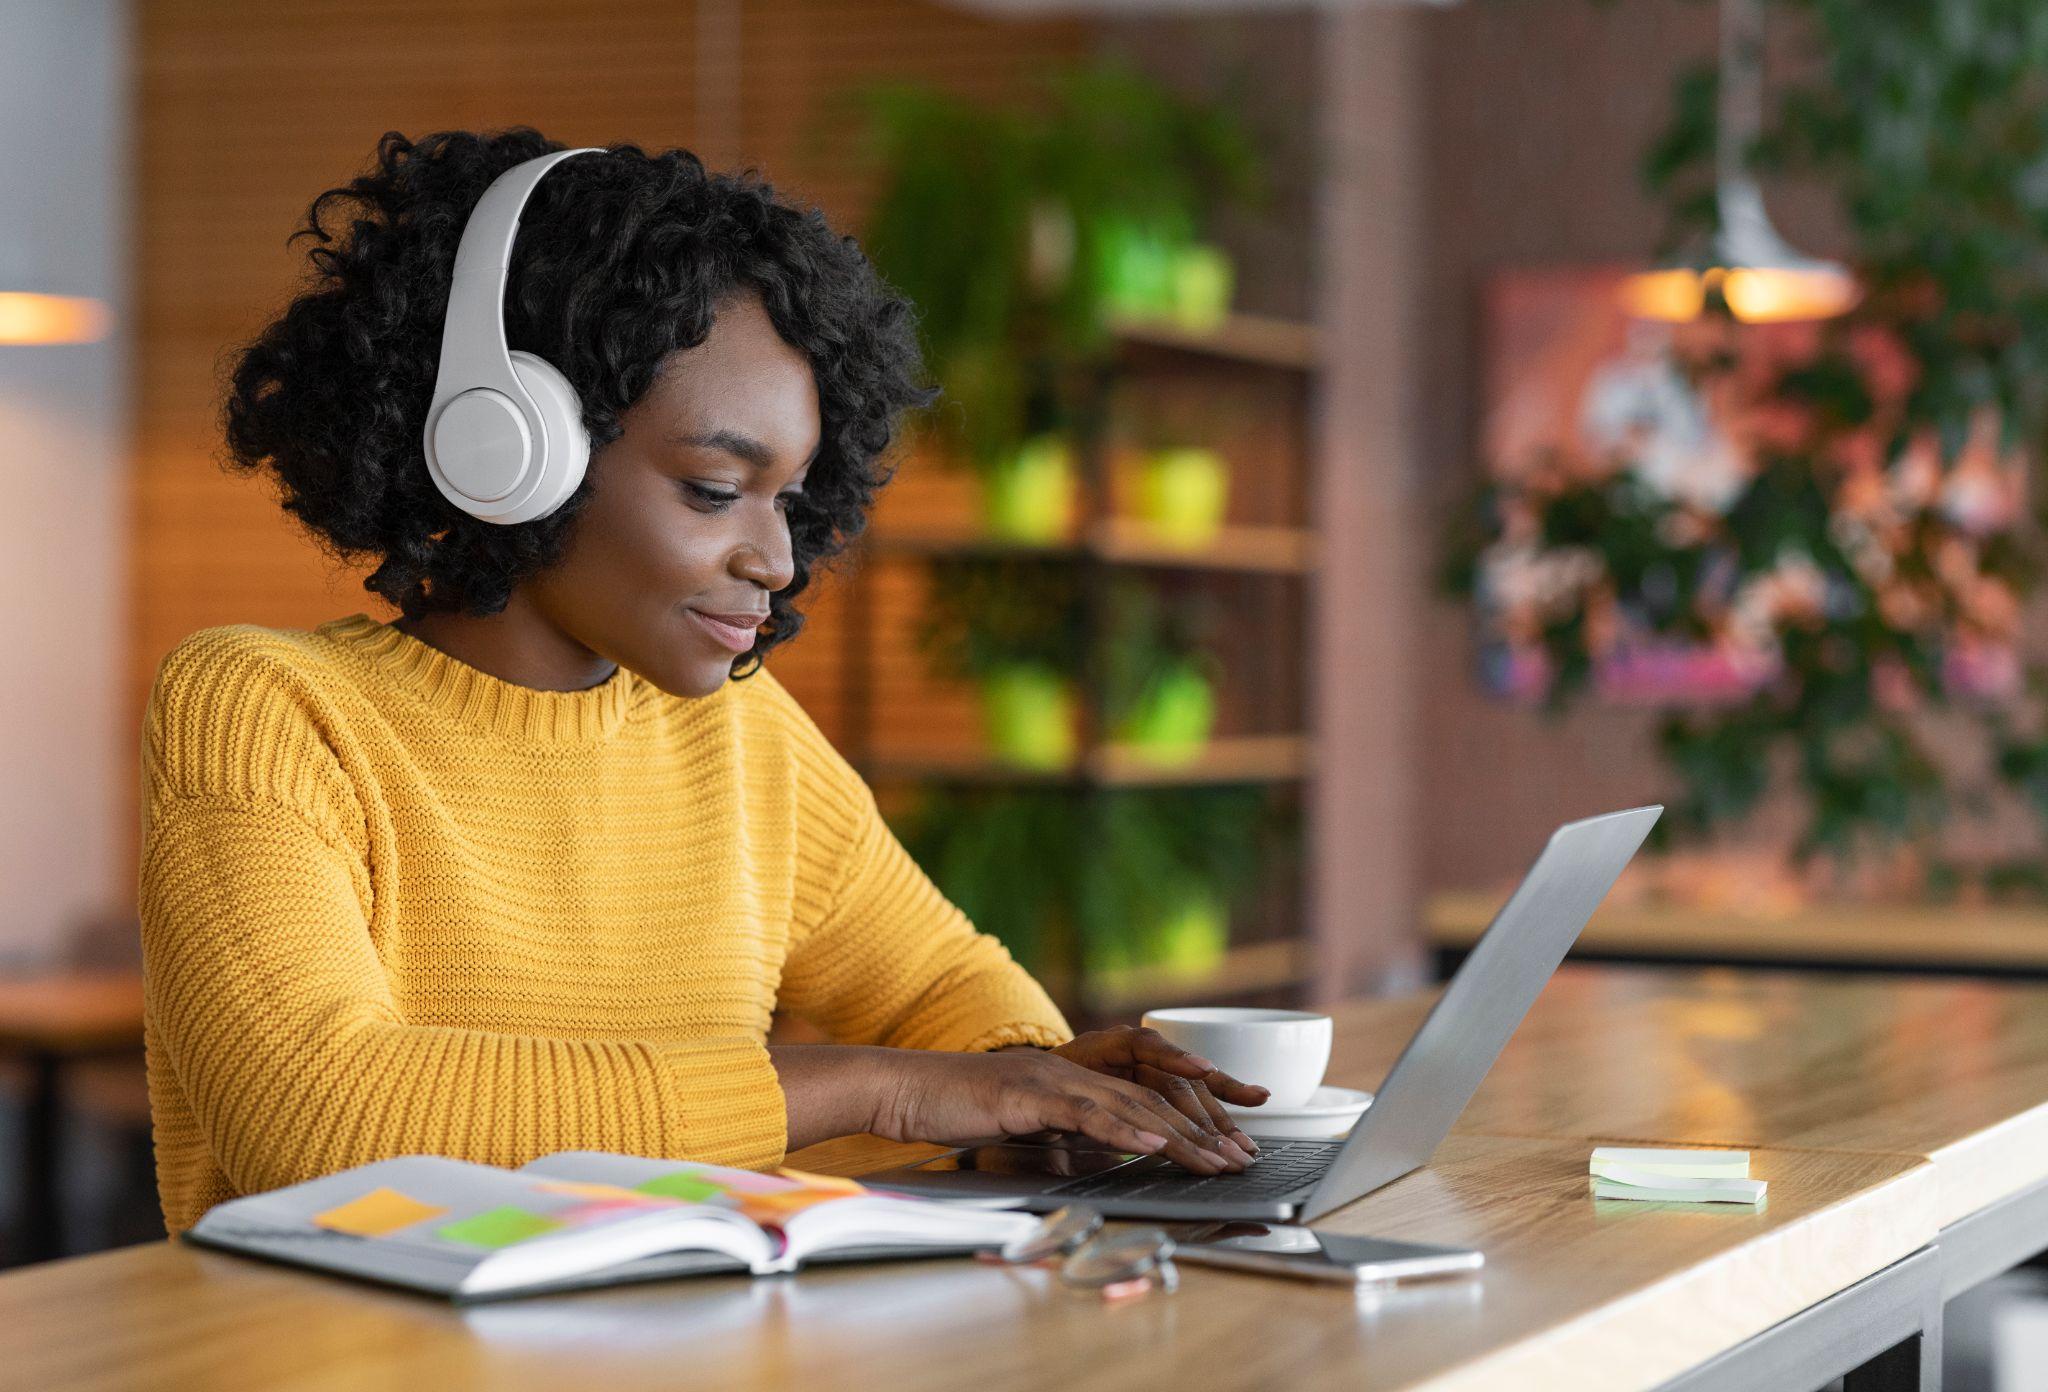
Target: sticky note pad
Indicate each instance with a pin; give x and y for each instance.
(1688, 1164)
(497, 1227)
(682, 1185)
(1649, 1188)
(378, 1212)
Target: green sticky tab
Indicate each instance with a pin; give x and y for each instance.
(682, 1185)
(498, 1227)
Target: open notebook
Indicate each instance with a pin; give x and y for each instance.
(583, 1218)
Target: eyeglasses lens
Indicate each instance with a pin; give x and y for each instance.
(1063, 1230)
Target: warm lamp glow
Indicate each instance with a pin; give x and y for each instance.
(1674, 296)
(1755, 294)
(26, 318)
(1764, 295)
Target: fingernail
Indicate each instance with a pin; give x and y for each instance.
(1151, 1141)
(1245, 1142)
(1198, 1061)
(1230, 1148)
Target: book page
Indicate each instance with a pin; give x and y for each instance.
(767, 1199)
(902, 1221)
(808, 1213)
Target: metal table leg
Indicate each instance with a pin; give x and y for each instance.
(41, 1218)
(1882, 1334)
(1911, 1365)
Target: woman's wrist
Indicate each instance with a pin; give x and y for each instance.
(830, 1089)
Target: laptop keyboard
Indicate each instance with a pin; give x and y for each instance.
(1281, 1168)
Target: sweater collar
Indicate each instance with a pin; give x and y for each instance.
(479, 699)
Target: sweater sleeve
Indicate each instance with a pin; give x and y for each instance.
(266, 994)
(879, 955)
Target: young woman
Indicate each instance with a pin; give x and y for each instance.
(528, 869)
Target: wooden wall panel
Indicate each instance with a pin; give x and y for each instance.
(247, 110)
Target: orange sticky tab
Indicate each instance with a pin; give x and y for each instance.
(838, 1184)
(584, 1190)
(378, 1212)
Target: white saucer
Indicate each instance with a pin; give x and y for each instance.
(1327, 1115)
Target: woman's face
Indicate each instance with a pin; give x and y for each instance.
(669, 566)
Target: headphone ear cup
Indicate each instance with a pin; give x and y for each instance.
(568, 443)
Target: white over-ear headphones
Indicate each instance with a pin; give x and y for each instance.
(504, 440)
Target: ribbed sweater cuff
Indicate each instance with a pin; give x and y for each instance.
(1015, 1032)
(728, 1099)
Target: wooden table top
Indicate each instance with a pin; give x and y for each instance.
(1577, 1293)
(71, 1012)
(1950, 1069)
(1880, 1107)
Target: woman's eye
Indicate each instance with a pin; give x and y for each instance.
(789, 500)
(712, 498)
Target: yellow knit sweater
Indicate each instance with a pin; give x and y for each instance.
(393, 904)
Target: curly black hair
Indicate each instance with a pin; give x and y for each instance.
(619, 261)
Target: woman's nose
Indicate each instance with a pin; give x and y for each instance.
(767, 558)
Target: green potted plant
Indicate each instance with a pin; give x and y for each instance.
(1023, 231)
(1179, 488)
(1169, 862)
(1159, 683)
(1114, 881)
(1000, 855)
(1012, 625)
(1160, 270)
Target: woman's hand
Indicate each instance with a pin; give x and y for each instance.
(929, 1095)
(1189, 1082)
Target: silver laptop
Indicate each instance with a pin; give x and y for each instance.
(1410, 1115)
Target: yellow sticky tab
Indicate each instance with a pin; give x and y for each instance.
(378, 1212)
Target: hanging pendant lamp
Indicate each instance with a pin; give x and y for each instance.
(1761, 277)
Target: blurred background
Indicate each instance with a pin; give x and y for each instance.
(1374, 433)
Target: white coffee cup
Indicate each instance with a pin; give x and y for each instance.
(1284, 1051)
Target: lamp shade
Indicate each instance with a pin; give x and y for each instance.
(1762, 278)
(29, 318)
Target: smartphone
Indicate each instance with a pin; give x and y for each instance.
(1319, 1256)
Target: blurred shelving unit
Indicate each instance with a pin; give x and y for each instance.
(904, 735)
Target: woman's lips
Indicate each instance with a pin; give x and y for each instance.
(731, 632)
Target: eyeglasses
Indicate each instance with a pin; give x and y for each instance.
(1118, 1264)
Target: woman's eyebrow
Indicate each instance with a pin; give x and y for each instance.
(733, 442)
